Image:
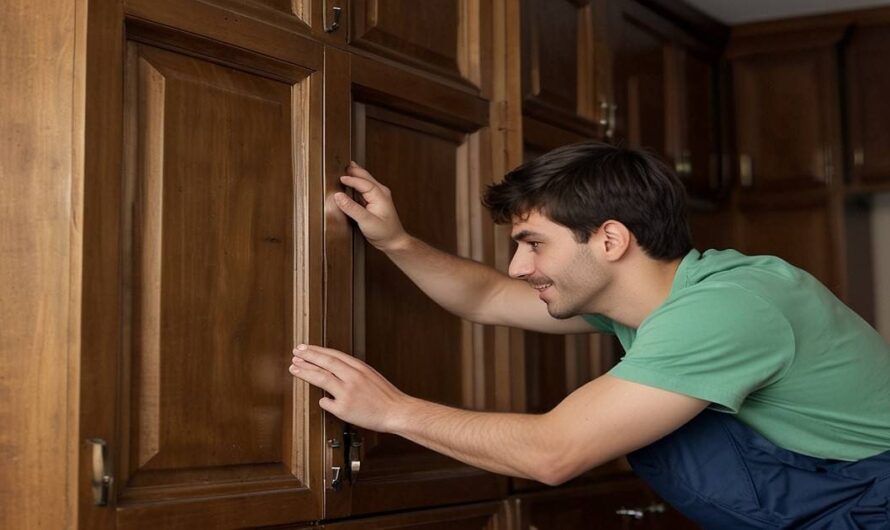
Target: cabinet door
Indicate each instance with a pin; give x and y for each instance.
(697, 152)
(621, 504)
(440, 37)
(869, 83)
(430, 144)
(642, 49)
(803, 230)
(201, 271)
(560, 49)
(786, 114)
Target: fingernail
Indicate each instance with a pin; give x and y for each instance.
(340, 197)
(352, 163)
(301, 347)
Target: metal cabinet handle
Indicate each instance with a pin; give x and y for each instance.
(102, 479)
(336, 25)
(639, 513)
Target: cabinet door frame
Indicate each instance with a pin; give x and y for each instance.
(176, 27)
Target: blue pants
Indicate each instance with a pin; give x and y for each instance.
(723, 475)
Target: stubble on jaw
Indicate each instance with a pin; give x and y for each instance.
(582, 281)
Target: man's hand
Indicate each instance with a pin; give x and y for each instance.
(378, 219)
(360, 395)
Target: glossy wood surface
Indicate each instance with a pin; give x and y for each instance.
(439, 36)
(215, 274)
(775, 90)
(558, 57)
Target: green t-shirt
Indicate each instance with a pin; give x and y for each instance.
(760, 338)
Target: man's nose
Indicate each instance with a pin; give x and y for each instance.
(521, 265)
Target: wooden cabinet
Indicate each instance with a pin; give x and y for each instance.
(198, 215)
(622, 504)
(666, 95)
(869, 111)
(565, 78)
(199, 246)
(430, 146)
(484, 516)
(787, 110)
(804, 229)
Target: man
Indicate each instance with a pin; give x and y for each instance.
(749, 396)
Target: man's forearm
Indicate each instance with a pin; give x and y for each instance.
(518, 445)
(459, 285)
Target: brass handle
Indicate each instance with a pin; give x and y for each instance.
(336, 25)
(102, 479)
(604, 113)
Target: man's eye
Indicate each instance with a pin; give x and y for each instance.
(534, 244)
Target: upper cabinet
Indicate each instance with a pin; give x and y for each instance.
(565, 78)
(666, 84)
(445, 40)
(787, 109)
(200, 210)
(868, 83)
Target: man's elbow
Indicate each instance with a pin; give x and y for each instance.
(557, 470)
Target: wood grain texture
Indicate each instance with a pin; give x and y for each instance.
(39, 255)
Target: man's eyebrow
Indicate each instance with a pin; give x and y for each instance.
(525, 234)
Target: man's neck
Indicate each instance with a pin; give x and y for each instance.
(641, 287)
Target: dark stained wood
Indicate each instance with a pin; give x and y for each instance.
(699, 147)
(805, 230)
(641, 68)
(868, 81)
(412, 143)
(199, 283)
(439, 36)
(596, 506)
(487, 516)
(859, 257)
(786, 113)
(264, 35)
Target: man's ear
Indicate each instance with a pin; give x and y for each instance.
(615, 239)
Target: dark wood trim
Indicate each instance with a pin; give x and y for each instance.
(691, 20)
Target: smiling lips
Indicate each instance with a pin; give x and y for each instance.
(542, 287)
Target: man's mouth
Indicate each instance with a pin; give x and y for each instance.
(542, 287)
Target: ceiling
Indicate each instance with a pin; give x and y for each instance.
(732, 12)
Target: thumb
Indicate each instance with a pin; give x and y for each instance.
(352, 208)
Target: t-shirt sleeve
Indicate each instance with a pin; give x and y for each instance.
(601, 323)
(718, 343)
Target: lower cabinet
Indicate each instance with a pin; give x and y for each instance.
(620, 504)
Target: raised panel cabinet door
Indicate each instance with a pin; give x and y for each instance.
(641, 53)
(212, 277)
(868, 84)
(442, 37)
(559, 45)
(786, 105)
(698, 160)
(430, 144)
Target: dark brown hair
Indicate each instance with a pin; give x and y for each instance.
(581, 186)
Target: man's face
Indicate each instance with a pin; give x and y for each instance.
(565, 273)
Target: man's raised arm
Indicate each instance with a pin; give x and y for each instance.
(467, 288)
